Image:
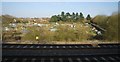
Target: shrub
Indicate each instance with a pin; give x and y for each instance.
(112, 28)
(101, 20)
(110, 24)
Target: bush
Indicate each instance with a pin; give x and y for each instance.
(110, 24)
(63, 33)
(66, 33)
(112, 28)
(101, 20)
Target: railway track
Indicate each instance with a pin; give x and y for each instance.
(60, 53)
(57, 46)
(88, 58)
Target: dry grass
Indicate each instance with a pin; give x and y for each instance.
(63, 33)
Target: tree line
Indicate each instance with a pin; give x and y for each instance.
(67, 17)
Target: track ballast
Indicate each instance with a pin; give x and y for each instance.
(60, 53)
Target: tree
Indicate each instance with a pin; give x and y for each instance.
(88, 17)
(73, 16)
(62, 14)
(68, 14)
(81, 17)
(76, 14)
(76, 17)
(54, 18)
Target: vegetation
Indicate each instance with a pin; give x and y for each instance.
(88, 17)
(67, 17)
(64, 33)
(0, 27)
(101, 20)
(112, 28)
(110, 24)
(68, 27)
(7, 19)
